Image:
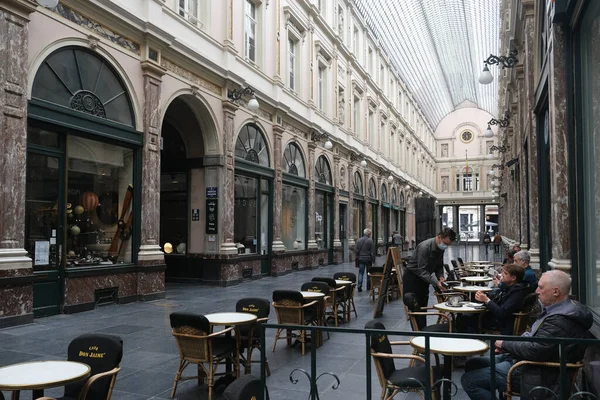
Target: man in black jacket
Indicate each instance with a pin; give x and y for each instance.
(365, 252)
(561, 317)
(426, 267)
(500, 308)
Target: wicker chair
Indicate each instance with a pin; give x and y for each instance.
(392, 380)
(318, 287)
(103, 370)
(336, 301)
(414, 309)
(249, 335)
(198, 346)
(573, 369)
(291, 310)
(375, 278)
(460, 261)
(350, 289)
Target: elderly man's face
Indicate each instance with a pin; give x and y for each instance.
(547, 294)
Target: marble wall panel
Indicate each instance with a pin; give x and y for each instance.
(150, 282)
(81, 290)
(16, 300)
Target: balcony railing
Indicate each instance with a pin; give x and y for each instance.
(312, 378)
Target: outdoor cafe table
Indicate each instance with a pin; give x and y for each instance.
(472, 289)
(40, 375)
(477, 279)
(343, 282)
(319, 297)
(464, 307)
(230, 319)
(449, 347)
(479, 271)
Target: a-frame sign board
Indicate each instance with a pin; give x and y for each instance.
(393, 259)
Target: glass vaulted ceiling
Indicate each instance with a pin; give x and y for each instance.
(438, 48)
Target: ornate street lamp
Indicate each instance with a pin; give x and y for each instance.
(237, 94)
(505, 61)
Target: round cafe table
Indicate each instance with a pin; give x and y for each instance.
(231, 319)
(40, 375)
(449, 347)
(312, 295)
(342, 282)
(477, 279)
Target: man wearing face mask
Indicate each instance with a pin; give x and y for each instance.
(426, 267)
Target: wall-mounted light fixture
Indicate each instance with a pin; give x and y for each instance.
(237, 94)
(317, 136)
(505, 61)
(500, 149)
(407, 187)
(391, 178)
(503, 123)
(363, 163)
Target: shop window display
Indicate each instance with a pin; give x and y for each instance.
(245, 214)
(293, 227)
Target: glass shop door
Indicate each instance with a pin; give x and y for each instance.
(44, 228)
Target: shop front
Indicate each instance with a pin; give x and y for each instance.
(324, 210)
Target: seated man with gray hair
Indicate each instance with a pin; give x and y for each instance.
(523, 258)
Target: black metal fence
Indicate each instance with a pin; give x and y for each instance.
(566, 392)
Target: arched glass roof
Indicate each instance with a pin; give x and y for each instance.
(438, 48)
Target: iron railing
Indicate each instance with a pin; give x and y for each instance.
(312, 377)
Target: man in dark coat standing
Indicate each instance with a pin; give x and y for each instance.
(365, 252)
(426, 267)
(562, 317)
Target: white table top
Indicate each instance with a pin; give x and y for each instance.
(473, 288)
(450, 346)
(480, 262)
(476, 270)
(42, 374)
(466, 308)
(342, 282)
(230, 318)
(477, 278)
(312, 295)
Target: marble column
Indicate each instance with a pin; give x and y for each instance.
(16, 305)
(150, 251)
(350, 230)
(278, 245)
(530, 81)
(559, 180)
(336, 203)
(227, 244)
(312, 243)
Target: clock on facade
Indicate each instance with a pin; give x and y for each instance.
(466, 136)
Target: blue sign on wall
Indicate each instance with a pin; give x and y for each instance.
(212, 192)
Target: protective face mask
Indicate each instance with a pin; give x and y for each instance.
(442, 246)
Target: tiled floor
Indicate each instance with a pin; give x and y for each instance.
(151, 357)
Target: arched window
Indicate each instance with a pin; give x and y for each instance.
(384, 194)
(372, 189)
(323, 171)
(251, 146)
(394, 197)
(358, 183)
(467, 180)
(292, 161)
(401, 200)
(78, 79)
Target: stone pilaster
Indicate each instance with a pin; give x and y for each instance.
(150, 251)
(559, 184)
(14, 45)
(336, 203)
(312, 243)
(227, 244)
(350, 229)
(277, 195)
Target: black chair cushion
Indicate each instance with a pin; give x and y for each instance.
(200, 322)
(253, 305)
(328, 281)
(411, 302)
(381, 344)
(292, 295)
(376, 270)
(222, 345)
(437, 328)
(246, 387)
(345, 276)
(315, 286)
(454, 263)
(414, 377)
(102, 353)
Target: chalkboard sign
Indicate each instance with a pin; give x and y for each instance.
(392, 259)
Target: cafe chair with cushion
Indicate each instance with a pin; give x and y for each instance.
(318, 287)
(291, 309)
(572, 369)
(375, 278)
(348, 276)
(197, 345)
(460, 261)
(454, 264)
(414, 309)
(247, 387)
(407, 379)
(103, 353)
(249, 335)
(336, 301)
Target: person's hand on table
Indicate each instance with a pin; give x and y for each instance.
(441, 287)
(480, 296)
(442, 279)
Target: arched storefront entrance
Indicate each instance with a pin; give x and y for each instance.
(82, 205)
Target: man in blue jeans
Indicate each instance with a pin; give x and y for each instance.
(365, 253)
(562, 317)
